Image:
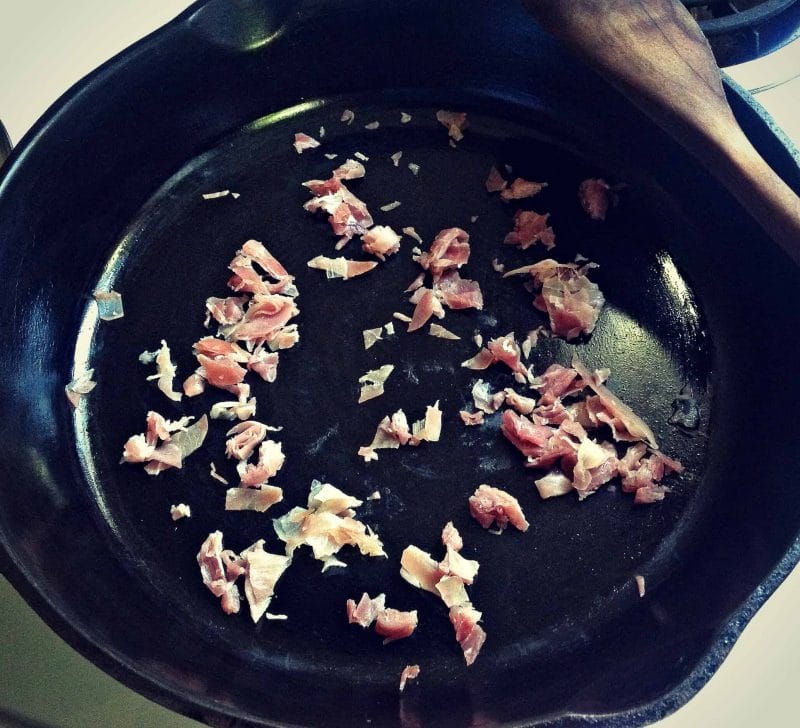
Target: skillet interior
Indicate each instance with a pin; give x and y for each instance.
(577, 626)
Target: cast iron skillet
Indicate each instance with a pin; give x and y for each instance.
(105, 190)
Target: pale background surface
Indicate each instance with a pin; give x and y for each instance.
(45, 46)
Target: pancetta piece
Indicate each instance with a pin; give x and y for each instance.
(213, 573)
(458, 293)
(522, 188)
(490, 506)
(304, 141)
(270, 461)
(261, 573)
(109, 305)
(530, 228)
(351, 169)
(165, 370)
(410, 672)
(395, 625)
(451, 537)
(596, 197)
(449, 250)
(502, 349)
(264, 318)
(264, 363)
(341, 267)
(226, 311)
(469, 634)
(471, 419)
(372, 382)
(259, 499)
(427, 305)
(495, 181)
(454, 121)
(180, 511)
(79, 387)
(380, 241)
(165, 444)
(366, 611)
(244, 438)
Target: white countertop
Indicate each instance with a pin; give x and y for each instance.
(46, 46)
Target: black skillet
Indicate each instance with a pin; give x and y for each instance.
(106, 190)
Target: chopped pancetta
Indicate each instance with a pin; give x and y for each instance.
(214, 574)
(454, 122)
(371, 337)
(372, 125)
(490, 506)
(165, 444)
(469, 634)
(165, 370)
(427, 305)
(471, 418)
(264, 363)
(261, 573)
(596, 196)
(523, 405)
(413, 168)
(484, 399)
(456, 292)
(389, 206)
(351, 169)
(372, 382)
(553, 484)
(348, 215)
(404, 117)
(326, 525)
(214, 474)
(530, 228)
(380, 241)
(80, 387)
(341, 267)
(395, 625)
(270, 461)
(419, 569)
(410, 672)
(428, 429)
(253, 499)
(303, 142)
(366, 611)
(241, 409)
(244, 439)
(502, 349)
(521, 188)
(226, 311)
(416, 284)
(180, 511)
(495, 181)
(451, 537)
(442, 333)
(264, 319)
(449, 250)
(572, 302)
(109, 305)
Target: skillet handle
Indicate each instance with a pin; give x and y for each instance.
(5, 144)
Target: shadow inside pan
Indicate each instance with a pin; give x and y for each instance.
(544, 594)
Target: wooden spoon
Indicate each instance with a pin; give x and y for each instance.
(655, 53)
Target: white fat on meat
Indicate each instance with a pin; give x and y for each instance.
(165, 370)
(259, 499)
(341, 267)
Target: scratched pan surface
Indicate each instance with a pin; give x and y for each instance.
(695, 295)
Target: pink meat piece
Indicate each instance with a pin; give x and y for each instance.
(220, 371)
(258, 253)
(253, 499)
(351, 169)
(521, 188)
(264, 363)
(495, 181)
(266, 315)
(449, 250)
(380, 241)
(451, 537)
(213, 348)
(454, 121)
(490, 506)
(595, 464)
(506, 350)
(410, 672)
(427, 305)
(556, 382)
(596, 196)
(303, 142)
(542, 445)
(226, 310)
(244, 438)
(640, 473)
(366, 611)
(572, 302)
(552, 414)
(530, 228)
(395, 625)
(469, 634)
(458, 293)
(320, 187)
(270, 461)
(214, 574)
(194, 385)
(471, 418)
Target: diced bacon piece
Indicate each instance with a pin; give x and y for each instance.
(543, 445)
(284, 338)
(226, 311)
(440, 332)
(640, 584)
(428, 429)
(395, 625)
(380, 241)
(109, 305)
(372, 382)
(553, 484)
(270, 461)
(451, 590)
(80, 387)
(469, 633)
(178, 441)
(242, 409)
(244, 439)
(341, 267)
(484, 399)
(523, 405)
(451, 537)
(137, 450)
(490, 506)
(495, 181)
(351, 169)
(530, 228)
(264, 318)
(410, 672)
(303, 142)
(596, 464)
(627, 424)
(557, 382)
(642, 475)
(471, 418)
(596, 196)
(521, 188)
(193, 385)
(482, 360)
(366, 611)
(458, 293)
(210, 347)
(220, 372)
(572, 302)
(501, 349)
(392, 432)
(212, 571)
(165, 375)
(419, 569)
(455, 123)
(262, 571)
(427, 305)
(180, 511)
(320, 187)
(264, 363)
(253, 499)
(449, 250)
(454, 564)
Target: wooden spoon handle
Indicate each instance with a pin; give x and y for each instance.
(654, 52)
